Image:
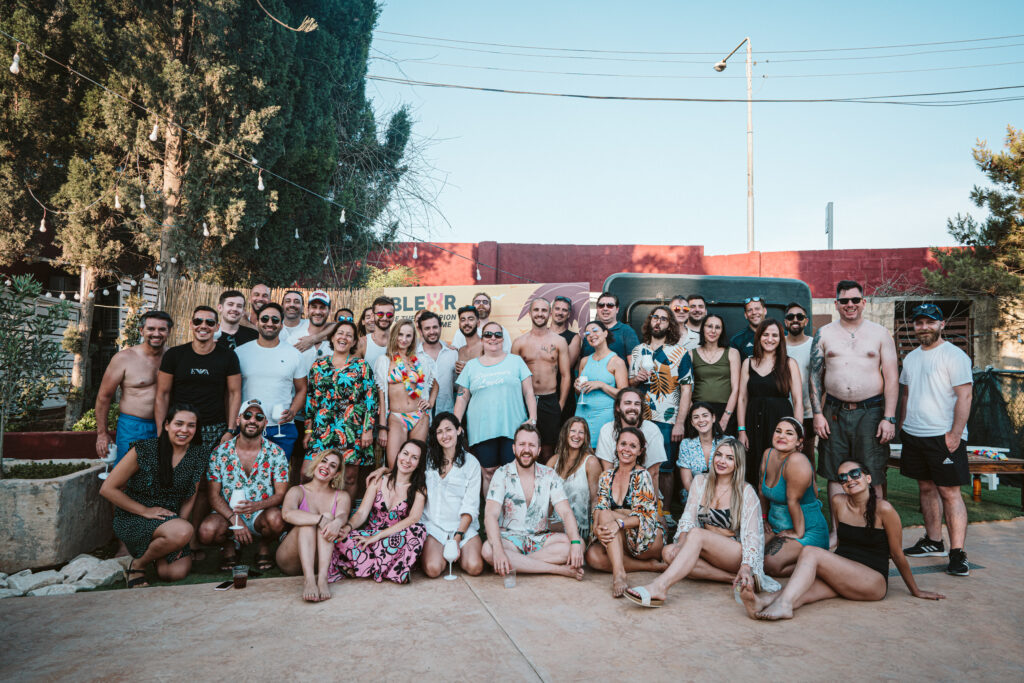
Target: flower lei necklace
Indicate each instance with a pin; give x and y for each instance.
(413, 378)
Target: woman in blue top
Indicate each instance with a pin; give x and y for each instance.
(602, 374)
(495, 394)
(702, 435)
(794, 518)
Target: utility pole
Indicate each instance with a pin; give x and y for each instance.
(830, 229)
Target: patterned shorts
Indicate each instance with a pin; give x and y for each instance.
(527, 543)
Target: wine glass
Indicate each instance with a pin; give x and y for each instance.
(237, 498)
(582, 400)
(276, 411)
(451, 552)
(647, 363)
(111, 457)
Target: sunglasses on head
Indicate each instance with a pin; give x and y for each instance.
(751, 299)
(383, 314)
(564, 299)
(259, 417)
(680, 309)
(607, 304)
(850, 300)
(493, 335)
(269, 319)
(199, 322)
(796, 316)
(855, 473)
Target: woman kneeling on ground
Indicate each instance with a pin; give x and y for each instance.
(317, 511)
(720, 536)
(453, 499)
(393, 539)
(629, 534)
(153, 490)
(870, 532)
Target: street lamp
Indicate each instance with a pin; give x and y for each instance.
(720, 67)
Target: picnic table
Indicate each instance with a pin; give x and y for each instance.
(978, 465)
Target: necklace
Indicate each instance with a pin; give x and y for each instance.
(853, 333)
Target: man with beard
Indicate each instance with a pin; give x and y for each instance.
(318, 327)
(250, 463)
(698, 311)
(259, 297)
(547, 356)
(754, 310)
(516, 516)
(662, 368)
(374, 345)
(444, 358)
(798, 346)
(628, 413)
(935, 393)
(274, 373)
(561, 313)
(294, 327)
(482, 304)
(231, 334)
(134, 371)
(474, 346)
(623, 336)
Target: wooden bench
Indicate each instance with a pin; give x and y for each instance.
(978, 465)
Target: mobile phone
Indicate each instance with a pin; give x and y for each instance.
(223, 586)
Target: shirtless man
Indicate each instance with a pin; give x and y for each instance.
(134, 371)
(474, 346)
(374, 345)
(854, 387)
(258, 298)
(561, 315)
(547, 356)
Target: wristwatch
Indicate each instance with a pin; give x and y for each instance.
(460, 534)
(889, 419)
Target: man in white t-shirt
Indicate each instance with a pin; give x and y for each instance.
(275, 373)
(629, 405)
(798, 347)
(294, 326)
(482, 304)
(374, 345)
(935, 402)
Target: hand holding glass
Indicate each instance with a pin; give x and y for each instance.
(237, 498)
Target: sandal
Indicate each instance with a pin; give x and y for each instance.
(641, 596)
(138, 581)
(227, 562)
(264, 561)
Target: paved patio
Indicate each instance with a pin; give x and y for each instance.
(546, 628)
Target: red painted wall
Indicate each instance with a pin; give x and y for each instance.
(501, 263)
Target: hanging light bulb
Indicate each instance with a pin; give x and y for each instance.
(297, 234)
(48, 295)
(7, 283)
(16, 62)
(256, 244)
(117, 201)
(159, 268)
(78, 297)
(92, 295)
(142, 201)
(254, 162)
(174, 259)
(415, 254)
(42, 223)
(259, 185)
(327, 258)
(342, 220)
(106, 292)
(132, 283)
(206, 230)
(478, 273)
(330, 196)
(62, 296)
(153, 135)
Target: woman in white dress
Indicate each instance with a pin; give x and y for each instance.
(575, 463)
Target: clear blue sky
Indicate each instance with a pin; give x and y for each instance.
(520, 168)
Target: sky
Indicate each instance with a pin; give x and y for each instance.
(519, 168)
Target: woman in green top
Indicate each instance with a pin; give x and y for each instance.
(716, 372)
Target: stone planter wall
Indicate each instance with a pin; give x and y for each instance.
(45, 522)
(47, 445)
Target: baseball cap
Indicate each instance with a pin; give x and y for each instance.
(928, 311)
(320, 295)
(252, 403)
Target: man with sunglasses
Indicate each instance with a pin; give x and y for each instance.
(754, 310)
(254, 465)
(374, 345)
(624, 338)
(854, 384)
(274, 372)
(798, 346)
(547, 356)
(444, 358)
(482, 304)
(935, 402)
(231, 334)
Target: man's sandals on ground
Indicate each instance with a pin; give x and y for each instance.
(139, 581)
(641, 596)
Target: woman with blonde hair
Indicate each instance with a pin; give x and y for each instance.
(317, 511)
(579, 469)
(405, 381)
(720, 536)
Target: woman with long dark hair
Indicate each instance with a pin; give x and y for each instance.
(452, 511)
(701, 437)
(602, 374)
(153, 490)
(716, 372)
(768, 380)
(579, 469)
(391, 542)
(870, 534)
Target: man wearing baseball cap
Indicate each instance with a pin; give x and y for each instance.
(935, 401)
(319, 322)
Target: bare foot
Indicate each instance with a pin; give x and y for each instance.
(776, 611)
(659, 566)
(577, 574)
(310, 591)
(324, 589)
(755, 602)
(619, 585)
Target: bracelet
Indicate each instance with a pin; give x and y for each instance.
(741, 429)
(622, 524)
(576, 542)
(728, 412)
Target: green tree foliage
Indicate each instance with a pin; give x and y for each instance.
(993, 264)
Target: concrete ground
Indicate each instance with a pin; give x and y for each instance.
(546, 628)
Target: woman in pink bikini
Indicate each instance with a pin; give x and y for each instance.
(405, 381)
(317, 511)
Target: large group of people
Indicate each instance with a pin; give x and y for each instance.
(367, 447)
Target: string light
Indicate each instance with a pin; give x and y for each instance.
(206, 230)
(142, 201)
(92, 295)
(42, 223)
(415, 254)
(153, 135)
(297, 233)
(174, 259)
(256, 244)
(259, 185)
(16, 62)
(342, 220)
(327, 258)
(132, 283)
(62, 296)
(159, 268)
(48, 295)
(106, 292)
(117, 201)
(78, 297)
(254, 162)
(478, 273)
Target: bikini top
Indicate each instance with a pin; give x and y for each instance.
(305, 508)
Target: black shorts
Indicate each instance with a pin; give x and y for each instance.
(494, 452)
(549, 419)
(926, 458)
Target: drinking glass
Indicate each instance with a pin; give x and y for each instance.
(451, 551)
(510, 579)
(111, 457)
(276, 410)
(582, 400)
(237, 498)
(240, 575)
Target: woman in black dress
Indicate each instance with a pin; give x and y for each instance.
(768, 380)
(153, 489)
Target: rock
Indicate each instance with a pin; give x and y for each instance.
(3, 582)
(26, 582)
(9, 593)
(78, 567)
(106, 573)
(3, 577)
(55, 589)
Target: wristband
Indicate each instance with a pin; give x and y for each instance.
(728, 412)
(741, 429)
(576, 542)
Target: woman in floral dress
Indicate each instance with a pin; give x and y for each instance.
(391, 542)
(341, 405)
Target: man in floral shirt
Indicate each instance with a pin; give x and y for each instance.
(520, 520)
(251, 464)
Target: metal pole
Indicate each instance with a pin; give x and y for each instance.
(829, 225)
(750, 154)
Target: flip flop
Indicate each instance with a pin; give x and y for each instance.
(641, 596)
(264, 562)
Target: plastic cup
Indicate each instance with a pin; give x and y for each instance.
(240, 575)
(510, 579)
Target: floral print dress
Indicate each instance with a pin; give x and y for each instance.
(341, 405)
(640, 501)
(391, 558)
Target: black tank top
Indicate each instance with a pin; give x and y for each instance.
(870, 547)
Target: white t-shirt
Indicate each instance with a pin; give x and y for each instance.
(373, 351)
(459, 340)
(930, 377)
(268, 374)
(652, 434)
(801, 353)
(293, 334)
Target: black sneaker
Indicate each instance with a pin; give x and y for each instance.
(926, 547)
(958, 563)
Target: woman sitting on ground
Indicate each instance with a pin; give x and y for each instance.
(575, 463)
(703, 434)
(720, 536)
(153, 490)
(794, 518)
(317, 511)
(870, 533)
(407, 389)
(630, 535)
(393, 539)
(453, 499)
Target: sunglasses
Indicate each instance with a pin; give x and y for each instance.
(662, 318)
(796, 316)
(850, 300)
(493, 335)
(345, 319)
(856, 473)
(680, 309)
(269, 319)
(259, 417)
(607, 305)
(199, 322)
(750, 299)
(381, 314)
(482, 302)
